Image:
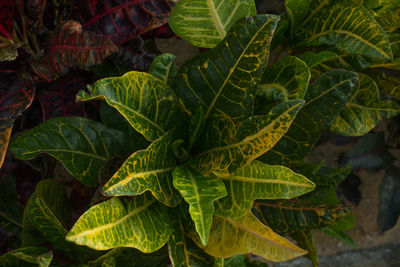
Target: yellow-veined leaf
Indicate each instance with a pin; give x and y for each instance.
(27, 257)
(164, 68)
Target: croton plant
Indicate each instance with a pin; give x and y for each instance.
(197, 165)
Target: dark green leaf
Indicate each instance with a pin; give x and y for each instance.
(164, 68)
(26, 257)
(305, 240)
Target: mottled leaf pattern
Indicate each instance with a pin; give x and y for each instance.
(143, 225)
(254, 137)
(220, 79)
(200, 193)
(349, 27)
(259, 181)
(204, 23)
(285, 80)
(248, 235)
(69, 46)
(164, 68)
(363, 110)
(144, 170)
(15, 97)
(289, 216)
(80, 144)
(27, 256)
(146, 102)
(324, 100)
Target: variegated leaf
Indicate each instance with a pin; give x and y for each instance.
(363, 110)
(204, 23)
(387, 84)
(27, 256)
(164, 68)
(289, 216)
(220, 79)
(80, 144)
(146, 102)
(348, 26)
(259, 181)
(147, 170)
(324, 100)
(143, 225)
(248, 235)
(285, 80)
(254, 137)
(390, 20)
(305, 240)
(200, 193)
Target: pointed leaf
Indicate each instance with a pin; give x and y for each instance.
(164, 68)
(123, 21)
(144, 170)
(204, 23)
(285, 80)
(339, 235)
(145, 101)
(144, 225)
(220, 79)
(248, 235)
(70, 47)
(200, 193)
(259, 181)
(255, 136)
(350, 27)
(324, 100)
(80, 144)
(363, 110)
(313, 59)
(305, 240)
(15, 97)
(289, 216)
(28, 256)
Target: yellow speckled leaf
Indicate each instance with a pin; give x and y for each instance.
(248, 235)
(144, 170)
(259, 181)
(143, 225)
(254, 137)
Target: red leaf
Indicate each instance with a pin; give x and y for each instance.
(59, 98)
(6, 19)
(15, 97)
(122, 20)
(68, 47)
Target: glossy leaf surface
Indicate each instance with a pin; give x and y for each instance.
(70, 47)
(80, 144)
(164, 68)
(259, 181)
(248, 235)
(363, 110)
(144, 170)
(204, 23)
(324, 100)
(200, 193)
(285, 80)
(220, 79)
(146, 102)
(289, 216)
(143, 225)
(349, 27)
(254, 137)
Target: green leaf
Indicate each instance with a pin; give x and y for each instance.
(147, 170)
(390, 21)
(387, 84)
(11, 210)
(144, 225)
(204, 23)
(235, 261)
(324, 100)
(144, 100)
(200, 193)
(305, 240)
(254, 137)
(248, 235)
(197, 125)
(340, 235)
(164, 68)
(259, 181)
(220, 79)
(109, 262)
(313, 59)
(297, 11)
(80, 144)
(288, 216)
(285, 80)
(28, 256)
(363, 110)
(350, 27)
